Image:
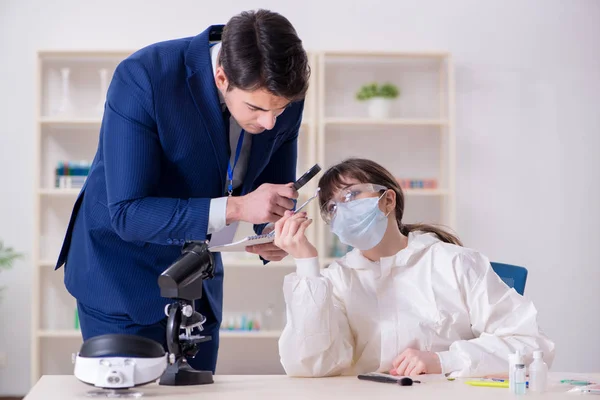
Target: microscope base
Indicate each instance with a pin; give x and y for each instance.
(177, 375)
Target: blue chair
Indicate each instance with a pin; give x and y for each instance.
(514, 276)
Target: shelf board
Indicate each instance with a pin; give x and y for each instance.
(47, 263)
(76, 334)
(75, 122)
(62, 333)
(84, 55)
(425, 192)
(385, 54)
(388, 121)
(238, 264)
(84, 52)
(255, 264)
(53, 192)
(242, 263)
(250, 334)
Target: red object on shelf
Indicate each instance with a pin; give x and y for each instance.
(406, 183)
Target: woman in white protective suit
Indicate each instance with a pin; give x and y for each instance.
(408, 300)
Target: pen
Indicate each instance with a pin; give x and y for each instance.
(576, 382)
(272, 233)
(307, 201)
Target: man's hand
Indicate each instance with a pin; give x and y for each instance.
(268, 203)
(413, 362)
(268, 251)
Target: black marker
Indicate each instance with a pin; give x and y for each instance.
(405, 381)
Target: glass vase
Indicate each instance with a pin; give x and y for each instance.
(65, 106)
(103, 72)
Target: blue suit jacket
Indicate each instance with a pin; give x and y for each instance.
(162, 156)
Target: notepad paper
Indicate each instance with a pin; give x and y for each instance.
(241, 245)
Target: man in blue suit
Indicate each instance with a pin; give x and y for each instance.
(197, 133)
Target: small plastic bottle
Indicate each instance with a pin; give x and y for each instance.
(268, 317)
(538, 373)
(257, 322)
(520, 379)
(513, 361)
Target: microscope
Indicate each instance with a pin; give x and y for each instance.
(182, 282)
(115, 363)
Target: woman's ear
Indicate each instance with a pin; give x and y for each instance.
(389, 201)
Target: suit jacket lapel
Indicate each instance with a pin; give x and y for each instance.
(202, 86)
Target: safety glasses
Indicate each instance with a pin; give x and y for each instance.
(346, 195)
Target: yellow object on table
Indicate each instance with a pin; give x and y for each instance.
(488, 383)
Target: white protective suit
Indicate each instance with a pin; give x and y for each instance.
(356, 315)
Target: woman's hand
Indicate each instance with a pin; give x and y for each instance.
(290, 237)
(413, 362)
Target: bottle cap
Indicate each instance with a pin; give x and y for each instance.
(538, 354)
(516, 358)
(519, 366)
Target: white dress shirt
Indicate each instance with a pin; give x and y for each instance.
(218, 207)
(357, 315)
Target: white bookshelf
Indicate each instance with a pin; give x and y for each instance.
(75, 121)
(54, 192)
(334, 126)
(415, 141)
(73, 136)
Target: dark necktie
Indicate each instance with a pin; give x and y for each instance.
(226, 116)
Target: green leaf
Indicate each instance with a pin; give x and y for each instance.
(372, 90)
(389, 91)
(7, 256)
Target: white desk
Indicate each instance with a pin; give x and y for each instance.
(243, 387)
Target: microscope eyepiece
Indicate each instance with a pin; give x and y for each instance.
(183, 279)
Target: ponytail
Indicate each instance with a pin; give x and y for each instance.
(443, 235)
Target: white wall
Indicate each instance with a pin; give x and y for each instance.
(528, 129)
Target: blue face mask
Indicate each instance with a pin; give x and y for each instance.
(360, 223)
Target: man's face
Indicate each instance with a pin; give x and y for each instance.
(255, 111)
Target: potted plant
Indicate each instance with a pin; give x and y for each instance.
(7, 257)
(379, 98)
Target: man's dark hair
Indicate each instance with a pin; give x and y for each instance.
(261, 50)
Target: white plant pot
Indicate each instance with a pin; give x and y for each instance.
(379, 107)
